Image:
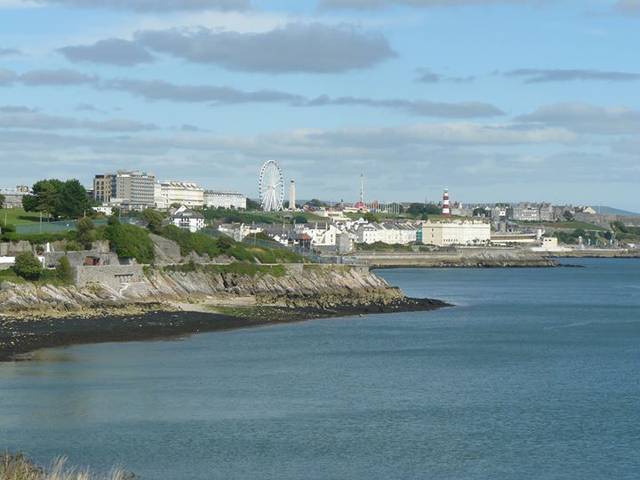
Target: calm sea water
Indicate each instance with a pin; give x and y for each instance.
(534, 375)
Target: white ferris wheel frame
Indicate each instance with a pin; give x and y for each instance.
(271, 187)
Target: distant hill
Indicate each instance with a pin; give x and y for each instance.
(614, 211)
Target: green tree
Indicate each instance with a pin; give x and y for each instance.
(2, 200)
(252, 205)
(316, 203)
(422, 209)
(129, 241)
(56, 198)
(371, 217)
(64, 271)
(45, 197)
(73, 201)
(28, 266)
(154, 220)
(86, 232)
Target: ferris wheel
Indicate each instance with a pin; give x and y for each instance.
(271, 187)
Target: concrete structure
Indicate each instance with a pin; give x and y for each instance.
(171, 193)
(550, 245)
(116, 277)
(13, 196)
(129, 190)
(227, 200)
(102, 185)
(344, 243)
(188, 219)
(7, 262)
(292, 195)
(510, 238)
(455, 232)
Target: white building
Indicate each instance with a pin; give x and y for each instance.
(227, 200)
(239, 231)
(455, 232)
(524, 212)
(188, 194)
(550, 245)
(333, 215)
(322, 235)
(13, 196)
(389, 233)
(188, 219)
(104, 209)
(131, 190)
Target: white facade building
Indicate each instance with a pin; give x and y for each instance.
(239, 231)
(132, 190)
(390, 233)
(323, 235)
(455, 232)
(188, 219)
(13, 196)
(228, 200)
(188, 194)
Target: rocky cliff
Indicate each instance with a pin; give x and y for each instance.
(312, 286)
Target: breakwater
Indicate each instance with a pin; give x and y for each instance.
(456, 258)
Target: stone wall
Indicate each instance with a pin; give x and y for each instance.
(77, 259)
(114, 277)
(459, 257)
(11, 249)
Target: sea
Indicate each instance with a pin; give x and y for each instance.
(533, 374)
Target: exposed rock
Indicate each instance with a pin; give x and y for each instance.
(314, 286)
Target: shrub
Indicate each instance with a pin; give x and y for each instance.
(154, 220)
(129, 241)
(72, 246)
(86, 232)
(64, 271)
(28, 266)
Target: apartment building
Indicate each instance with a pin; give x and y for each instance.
(171, 193)
(455, 232)
(228, 200)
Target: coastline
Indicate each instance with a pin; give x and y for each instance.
(19, 337)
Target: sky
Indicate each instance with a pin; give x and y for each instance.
(497, 100)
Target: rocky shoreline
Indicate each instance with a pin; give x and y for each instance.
(19, 336)
(170, 302)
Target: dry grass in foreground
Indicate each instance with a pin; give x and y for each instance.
(17, 467)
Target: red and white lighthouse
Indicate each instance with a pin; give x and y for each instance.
(446, 208)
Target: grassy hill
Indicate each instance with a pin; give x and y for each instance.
(17, 216)
(604, 210)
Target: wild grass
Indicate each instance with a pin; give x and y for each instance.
(18, 467)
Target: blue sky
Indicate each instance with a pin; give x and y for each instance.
(499, 100)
